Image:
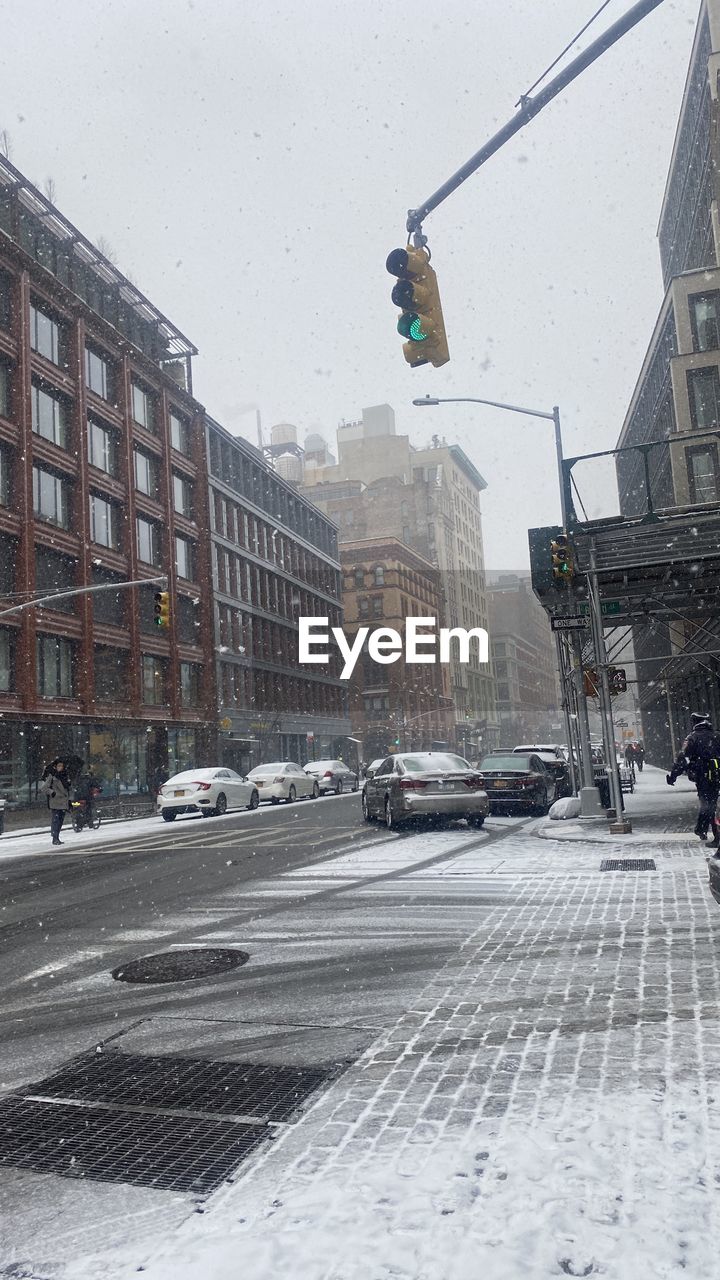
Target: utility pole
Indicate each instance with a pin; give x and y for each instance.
(620, 825)
(82, 591)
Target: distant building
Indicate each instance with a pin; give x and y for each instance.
(527, 693)
(429, 499)
(274, 558)
(397, 706)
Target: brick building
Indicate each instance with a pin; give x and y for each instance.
(103, 479)
(398, 706)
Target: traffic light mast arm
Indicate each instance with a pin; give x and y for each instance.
(529, 108)
(81, 591)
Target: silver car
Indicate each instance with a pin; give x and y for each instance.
(332, 776)
(434, 784)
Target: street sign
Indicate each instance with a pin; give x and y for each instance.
(607, 608)
(226, 724)
(573, 623)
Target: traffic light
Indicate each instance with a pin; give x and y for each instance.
(590, 682)
(618, 680)
(563, 565)
(417, 295)
(162, 609)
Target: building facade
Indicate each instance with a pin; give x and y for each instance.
(524, 662)
(102, 480)
(274, 559)
(397, 706)
(428, 499)
(677, 397)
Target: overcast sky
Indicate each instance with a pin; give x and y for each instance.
(251, 166)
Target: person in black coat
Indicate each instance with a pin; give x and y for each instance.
(699, 758)
(55, 785)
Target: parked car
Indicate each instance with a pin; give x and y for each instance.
(332, 775)
(205, 791)
(517, 781)
(283, 780)
(546, 748)
(559, 769)
(424, 784)
(371, 770)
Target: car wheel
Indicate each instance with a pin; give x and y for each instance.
(476, 820)
(390, 821)
(315, 791)
(541, 805)
(339, 788)
(365, 810)
(254, 800)
(168, 815)
(274, 799)
(292, 795)
(221, 805)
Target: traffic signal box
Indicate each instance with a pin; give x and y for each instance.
(563, 564)
(162, 609)
(417, 294)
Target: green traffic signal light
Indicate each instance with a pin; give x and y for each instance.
(410, 326)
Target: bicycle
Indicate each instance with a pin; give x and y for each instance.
(84, 815)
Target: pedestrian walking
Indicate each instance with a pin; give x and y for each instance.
(699, 758)
(55, 785)
(639, 756)
(630, 758)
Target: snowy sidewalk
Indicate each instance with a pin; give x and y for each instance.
(661, 815)
(545, 1108)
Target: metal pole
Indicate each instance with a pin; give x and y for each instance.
(601, 663)
(590, 805)
(529, 107)
(82, 591)
(562, 670)
(671, 722)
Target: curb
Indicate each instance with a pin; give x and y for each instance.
(25, 832)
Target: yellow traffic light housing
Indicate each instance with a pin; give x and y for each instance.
(162, 609)
(418, 296)
(563, 564)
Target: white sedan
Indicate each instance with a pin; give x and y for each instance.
(283, 780)
(206, 791)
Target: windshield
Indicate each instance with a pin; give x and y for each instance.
(510, 763)
(267, 768)
(434, 760)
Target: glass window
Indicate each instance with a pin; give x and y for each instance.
(5, 390)
(7, 660)
(702, 465)
(377, 607)
(103, 522)
(50, 499)
(54, 667)
(108, 606)
(143, 407)
(179, 433)
(154, 673)
(49, 415)
(55, 572)
(184, 557)
(8, 564)
(145, 473)
(110, 666)
(148, 541)
(705, 320)
(47, 337)
(98, 373)
(5, 299)
(189, 684)
(102, 447)
(704, 391)
(182, 499)
(5, 466)
(379, 576)
(364, 607)
(360, 578)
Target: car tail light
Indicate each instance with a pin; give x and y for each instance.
(203, 786)
(327, 773)
(475, 781)
(161, 791)
(412, 784)
(527, 782)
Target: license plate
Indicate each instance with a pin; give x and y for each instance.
(500, 783)
(178, 793)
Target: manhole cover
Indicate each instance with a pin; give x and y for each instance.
(181, 965)
(628, 864)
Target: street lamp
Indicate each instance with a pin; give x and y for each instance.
(590, 796)
(553, 417)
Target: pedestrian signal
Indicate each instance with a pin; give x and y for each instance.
(618, 680)
(162, 609)
(417, 294)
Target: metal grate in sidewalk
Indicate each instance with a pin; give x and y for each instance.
(261, 1091)
(171, 1153)
(628, 864)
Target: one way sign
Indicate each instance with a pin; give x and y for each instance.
(574, 623)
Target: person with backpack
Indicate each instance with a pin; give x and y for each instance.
(699, 758)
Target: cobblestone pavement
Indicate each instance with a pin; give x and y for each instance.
(545, 1108)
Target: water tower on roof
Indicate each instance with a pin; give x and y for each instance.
(284, 453)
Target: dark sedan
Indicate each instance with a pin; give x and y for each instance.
(430, 784)
(515, 781)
